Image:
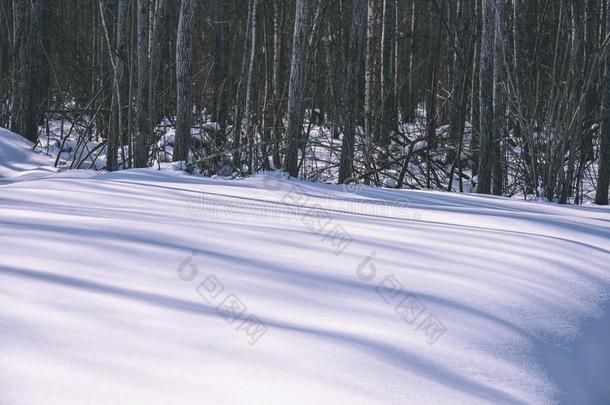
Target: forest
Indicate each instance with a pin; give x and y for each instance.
(361, 202)
(493, 96)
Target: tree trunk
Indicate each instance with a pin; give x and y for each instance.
(517, 46)
(351, 89)
(248, 101)
(389, 119)
(591, 99)
(221, 51)
(142, 124)
(29, 81)
(296, 88)
(122, 40)
(459, 94)
(112, 146)
(117, 56)
(243, 88)
(159, 38)
(184, 80)
(433, 55)
(498, 101)
(603, 176)
(278, 88)
(574, 130)
(411, 88)
(486, 97)
(20, 78)
(39, 70)
(369, 74)
(475, 111)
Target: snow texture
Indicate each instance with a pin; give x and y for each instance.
(17, 159)
(157, 287)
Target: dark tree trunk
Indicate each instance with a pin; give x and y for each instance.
(118, 59)
(278, 87)
(21, 81)
(221, 56)
(159, 38)
(389, 119)
(498, 101)
(435, 30)
(369, 74)
(244, 86)
(411, 88)
(475, 111)
(184, 80)
(296, 88)
(141, 140)
(459, 94)
(486, 97)
(351, 89)
(603, 176)
(30, 80)
(122, 41)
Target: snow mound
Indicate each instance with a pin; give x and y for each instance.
(155, 287)
(18, 161)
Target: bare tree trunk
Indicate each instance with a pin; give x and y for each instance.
(248, 102)
(184, 80)
(411, 92)
(159, 37)
(460, 80)
(243, 88)
(389, 119)
(435, 29)
(591, 100)
(20, 76)
(40, 69)
(498, 100)
(333, 61)
(266, 111)
(29, 82)
(142, 126)
(516, 44)
(603, 176)
(221, 50)
(6, 59)
(486, 97)
(112, 146)
(351, 89)
(475, 111)
(576, 63)
(122, 98)
(296, 88)
(369, 74)
(397, 86)
(277, 82)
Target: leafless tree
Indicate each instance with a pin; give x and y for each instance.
(184, 80)
(294, 131)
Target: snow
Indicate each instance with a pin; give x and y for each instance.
(17, 160)
(110, 286)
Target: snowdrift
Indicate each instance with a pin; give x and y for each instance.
(18, 159)
(146, 287)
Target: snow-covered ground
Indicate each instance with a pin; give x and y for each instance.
(157, 287)
(18, 161)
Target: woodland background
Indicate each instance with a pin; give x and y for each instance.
(494, 96)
